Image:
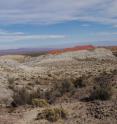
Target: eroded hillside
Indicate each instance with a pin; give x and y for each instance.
(32, 87)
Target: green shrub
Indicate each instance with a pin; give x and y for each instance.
(52, 115)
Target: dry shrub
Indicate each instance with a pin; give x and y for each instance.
(101, 93)
(11, 80)
(64, 86)
(52, 115)
(80, 82)
(59, 89)
(39, 102)
(102, 89)
(22, 96)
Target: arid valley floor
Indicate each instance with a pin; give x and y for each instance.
(77, 87)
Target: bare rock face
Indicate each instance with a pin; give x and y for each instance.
(100, 53)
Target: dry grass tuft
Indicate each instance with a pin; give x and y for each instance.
(39, 102)
(52, 115)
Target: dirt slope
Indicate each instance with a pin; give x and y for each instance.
(46, 73)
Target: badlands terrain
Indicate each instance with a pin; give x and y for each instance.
(73, 87)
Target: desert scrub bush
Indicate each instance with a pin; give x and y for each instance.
(11, 81)
(59, 89)
(101, 92)
(102, 87)
(39, 102)
(64, 86)
(22, 96)
(36, 81)
(52, 114)
(80, 82)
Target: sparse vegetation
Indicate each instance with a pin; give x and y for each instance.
(11, 80)
(52, 114)
(23, 96)
(64, 86)
(80, 82)
(69, 86)
(101, 91)
(86, 88)
(59, 89)
(39, 102)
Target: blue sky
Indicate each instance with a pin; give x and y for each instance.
(57, 23)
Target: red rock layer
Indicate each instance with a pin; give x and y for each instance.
(76, 48)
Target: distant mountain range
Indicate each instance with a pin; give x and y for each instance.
(24, 51)
(51, 50)
(39, 50)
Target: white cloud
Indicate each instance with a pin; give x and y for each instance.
(99, 37)
(2, 33)
(6, 36)
(54, 11)
(108, 33)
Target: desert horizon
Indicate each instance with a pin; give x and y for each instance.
(23, 50)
